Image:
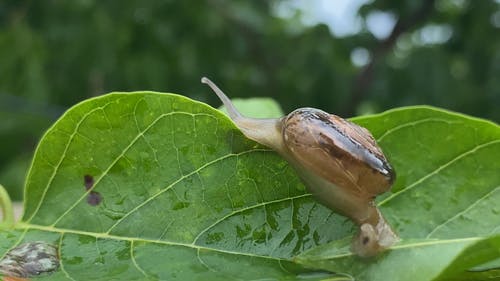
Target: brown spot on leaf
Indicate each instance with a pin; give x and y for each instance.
(88, 181)
(94, 198)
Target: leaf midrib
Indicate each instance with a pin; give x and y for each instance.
(26, 226)
(62, 231)
(429, 243)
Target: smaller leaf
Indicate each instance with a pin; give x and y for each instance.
(6, 207)
(399, 262)
(463, 267)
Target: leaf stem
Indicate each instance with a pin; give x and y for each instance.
(6, 206)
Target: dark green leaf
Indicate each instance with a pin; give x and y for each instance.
(148, 185)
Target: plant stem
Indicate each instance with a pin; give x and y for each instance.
(6, 206)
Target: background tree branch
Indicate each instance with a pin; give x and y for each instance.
(362, 82)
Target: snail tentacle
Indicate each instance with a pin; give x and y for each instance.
(231, 109)
(263, 131)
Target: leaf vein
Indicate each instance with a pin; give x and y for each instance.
(432, 242)
(202, 262)
(170, 186)
(100, 235)
(61, 263)
(134, 261)
(261, 204)
(463, 211)
(437, 170)
(21, 237)
(125, 150)
(63, 156)
(410, 124)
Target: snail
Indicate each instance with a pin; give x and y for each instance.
(339, 162)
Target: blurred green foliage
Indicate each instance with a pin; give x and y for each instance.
(56, 53)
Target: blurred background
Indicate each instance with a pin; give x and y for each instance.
(348, 57)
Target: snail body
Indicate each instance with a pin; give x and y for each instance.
(339, 162)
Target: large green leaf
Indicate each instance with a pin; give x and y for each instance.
(179, 193)
(444, 203)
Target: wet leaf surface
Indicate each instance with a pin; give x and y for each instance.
(443, 204)
(156, 186)
(138, 186)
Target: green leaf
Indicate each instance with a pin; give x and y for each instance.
(148, 185)
(156, 186)
(444, 203)
(7, 209)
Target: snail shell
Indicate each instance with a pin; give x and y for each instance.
(339, 162)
